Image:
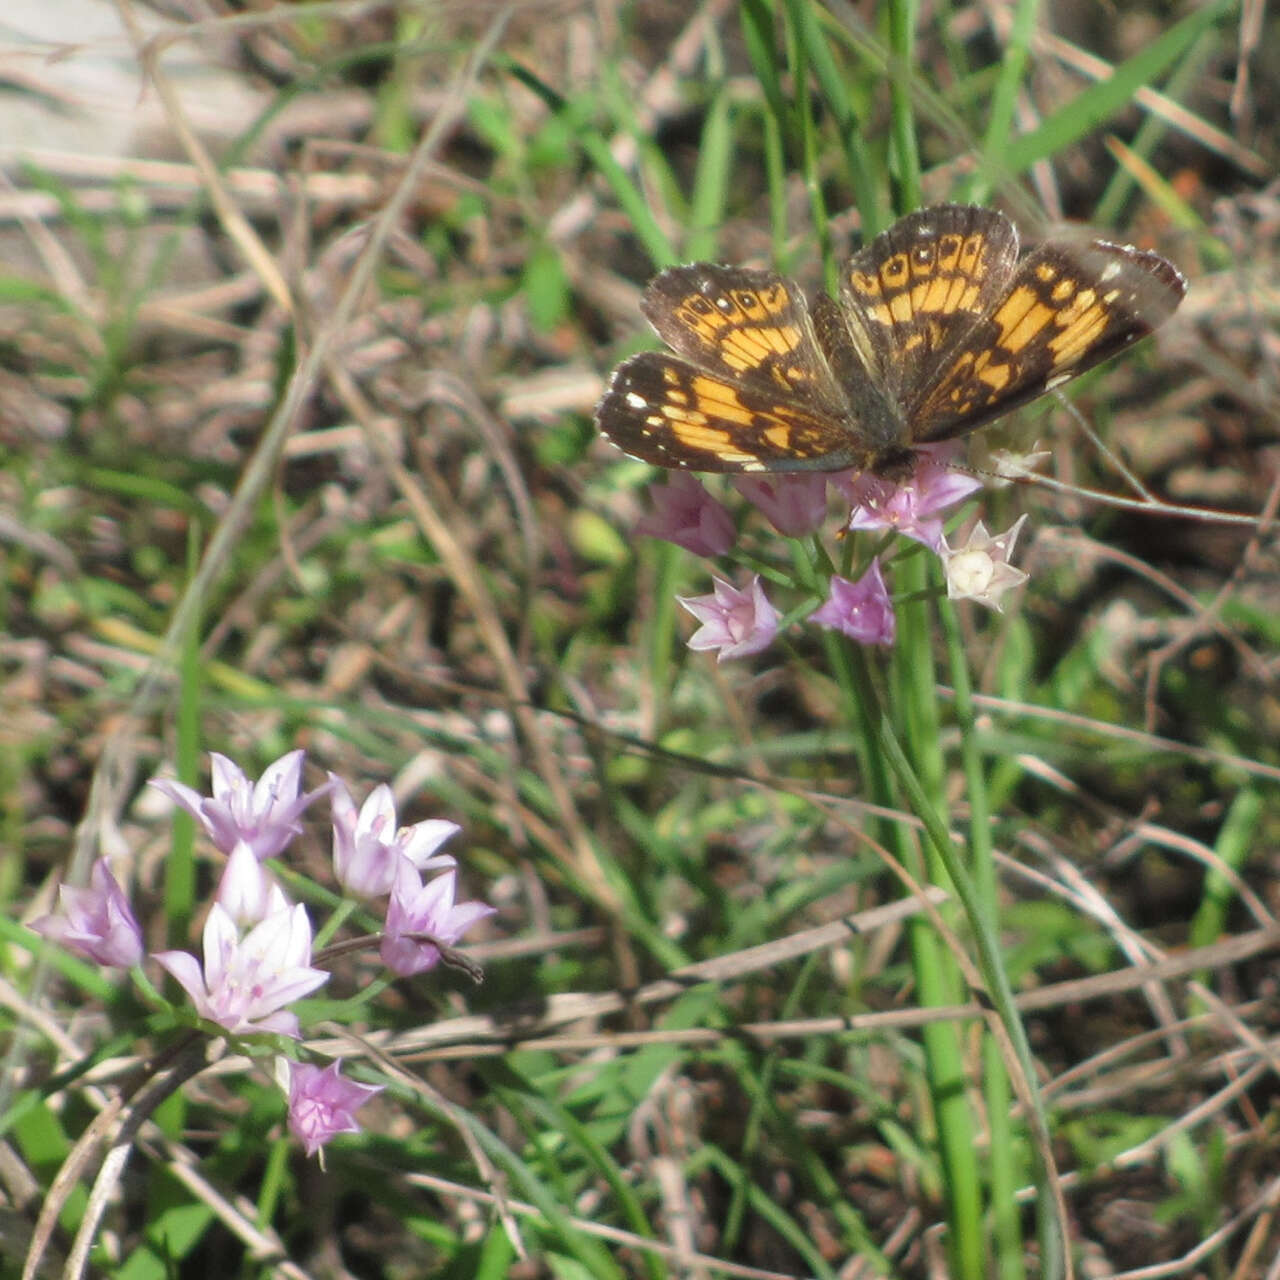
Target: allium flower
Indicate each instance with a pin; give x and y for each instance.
(738, 623)
(911, 507)
(980, 570)
(424, 908)
(97, 921)
(686, 514)
(862, 609)
(246, 982)
(322, 1103)
(368, 847)
(1006, 465)
(247, 891)
(793, 504)
(264, 816)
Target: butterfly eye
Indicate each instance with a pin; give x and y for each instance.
(747, 301)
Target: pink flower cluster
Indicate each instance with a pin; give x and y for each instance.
(256, 945)
(739, 621)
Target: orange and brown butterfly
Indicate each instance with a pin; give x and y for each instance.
(940, 329)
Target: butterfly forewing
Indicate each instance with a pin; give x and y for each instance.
(915, 293)
(1068, 308)
(748, 388)
(751, 326)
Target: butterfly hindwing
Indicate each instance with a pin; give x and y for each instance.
(670, 413)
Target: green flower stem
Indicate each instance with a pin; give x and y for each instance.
(977, 898)
(935, 969)
(998, 993)
(1002, 1169)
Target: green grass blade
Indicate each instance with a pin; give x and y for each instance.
(906, 156)
(1013, 66)
(1098, 103)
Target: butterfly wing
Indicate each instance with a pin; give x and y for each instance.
(1067, 309)
(748, 388)
(916, 293)
(670, 413)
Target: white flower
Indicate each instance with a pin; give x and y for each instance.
(246, 982)
(980, 570)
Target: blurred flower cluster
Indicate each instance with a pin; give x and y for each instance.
(256, 948)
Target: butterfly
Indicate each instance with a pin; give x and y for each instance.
(940, 328)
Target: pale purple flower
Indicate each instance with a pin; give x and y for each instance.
(265, 816)
(246, 982)
(795, 504)
(424, 908)
(738, 623)
(96, 921)
(980, 570)
(322, 1103)
(686, 514)
(862, 609)
(247, 891)
(368, 847)
(910, 507)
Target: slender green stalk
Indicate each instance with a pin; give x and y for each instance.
(758, 30)
(1003, 1167)
(798, 57)
(906, 157)
(1013, 66)
(939, 982)
(661, 630)
(992, 970)
(179, 866)
(916, 704)
(715, 161)
(833, 81)
(1235, 840)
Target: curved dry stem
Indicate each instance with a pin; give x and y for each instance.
(188, 1057)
